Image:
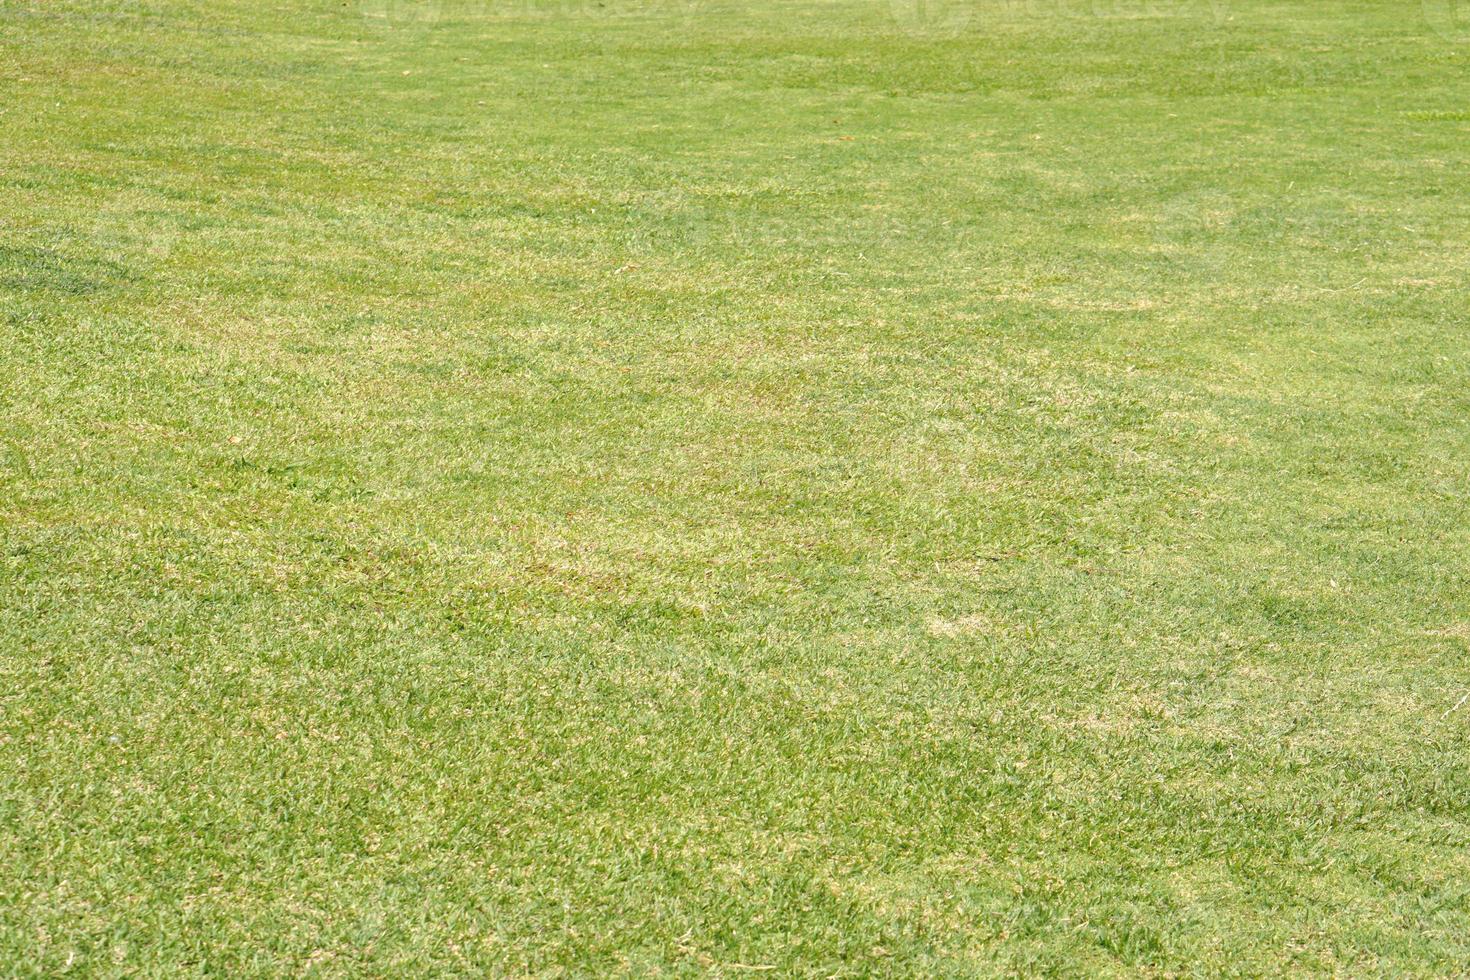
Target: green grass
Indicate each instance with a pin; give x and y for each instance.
(677, 486)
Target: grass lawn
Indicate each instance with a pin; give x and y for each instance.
(793, 487)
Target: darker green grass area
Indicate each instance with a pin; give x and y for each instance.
(822, 489)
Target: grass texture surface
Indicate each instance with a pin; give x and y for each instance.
(820, 488)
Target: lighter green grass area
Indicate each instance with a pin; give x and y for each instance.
(798, 486)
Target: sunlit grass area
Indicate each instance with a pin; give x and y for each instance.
(675, 487)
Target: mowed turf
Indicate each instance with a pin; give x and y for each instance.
(817, 488)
